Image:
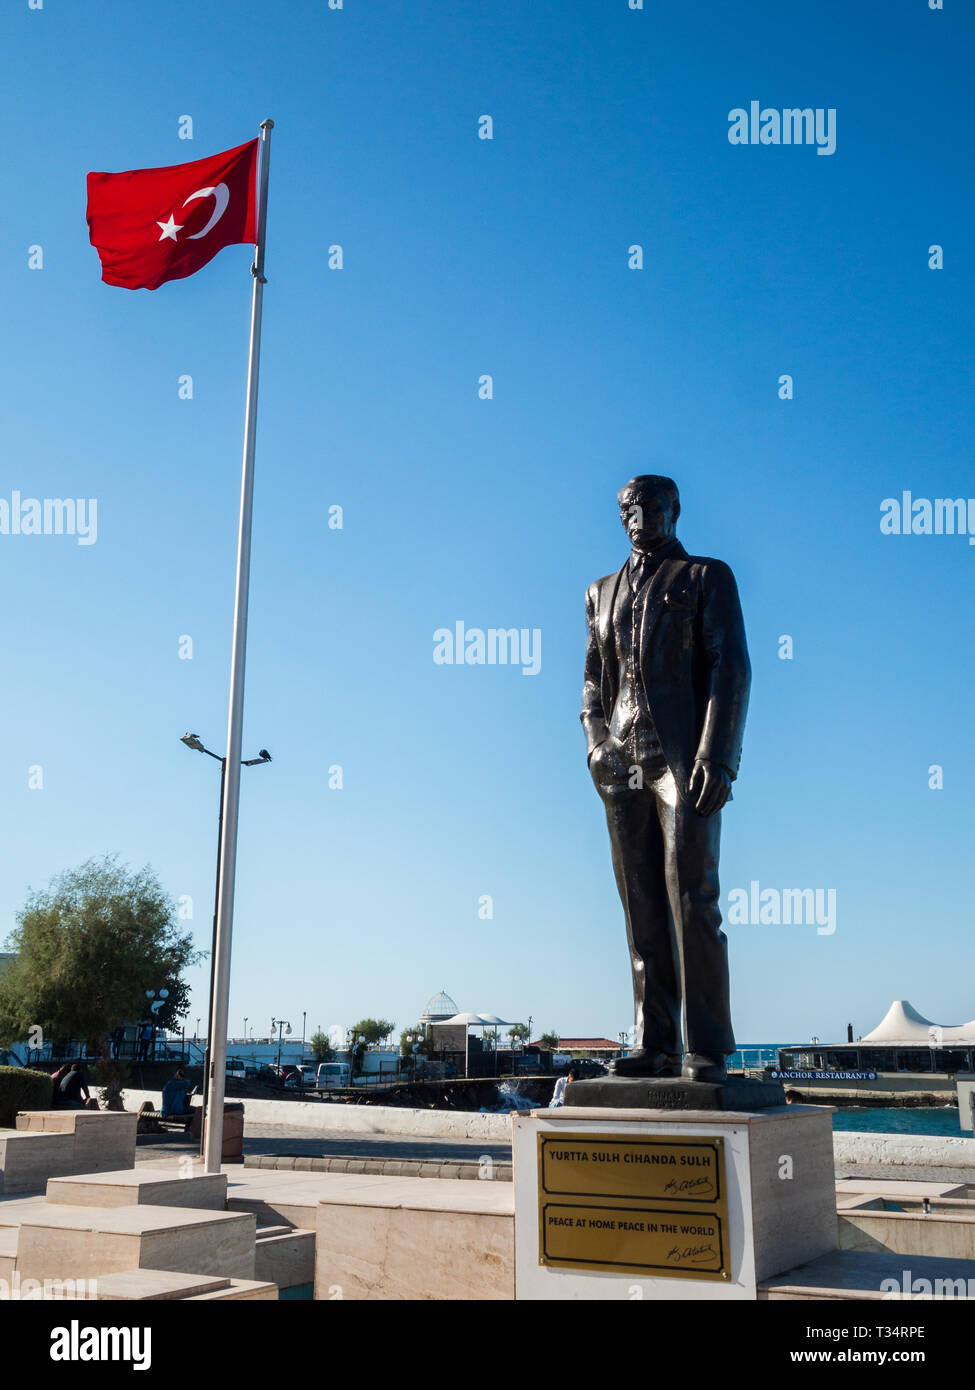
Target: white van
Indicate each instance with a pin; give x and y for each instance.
(331, 1075)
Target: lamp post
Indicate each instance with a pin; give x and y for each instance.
(193, 741)
(279, 1024)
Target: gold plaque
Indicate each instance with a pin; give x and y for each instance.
(644, 1205)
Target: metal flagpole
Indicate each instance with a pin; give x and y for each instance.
(220, 967)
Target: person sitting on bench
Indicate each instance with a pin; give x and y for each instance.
(72, 1087)
(176, 1097)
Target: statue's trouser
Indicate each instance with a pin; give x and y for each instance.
(665, 857)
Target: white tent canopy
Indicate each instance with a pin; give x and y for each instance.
(902, 1024)
(476, 1020)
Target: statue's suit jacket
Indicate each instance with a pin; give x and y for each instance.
(693, 661)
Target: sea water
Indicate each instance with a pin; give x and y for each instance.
(921, 1119)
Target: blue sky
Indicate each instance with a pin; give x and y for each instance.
(509, 257)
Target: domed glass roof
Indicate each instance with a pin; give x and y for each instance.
(440, 1006)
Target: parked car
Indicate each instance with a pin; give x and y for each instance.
(236, 1069)
(295, 1076)
(332, 1075)
(588, 1067)
(260, 1071)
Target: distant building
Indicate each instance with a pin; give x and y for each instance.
(600, 1049)
(439, 1008)
(434, 1017)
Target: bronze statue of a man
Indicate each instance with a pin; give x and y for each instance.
(663, 708)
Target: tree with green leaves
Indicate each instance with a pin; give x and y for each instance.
(366, 1033)
(321, 1048)
(550, 1040)
(89, 949)
(518, 1032)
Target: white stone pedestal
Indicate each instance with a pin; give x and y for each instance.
(680, 1204)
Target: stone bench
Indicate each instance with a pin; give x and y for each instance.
(72, 1242)
(28, 1159)
(371, 1242)
(103, 1140)
(57, 1143)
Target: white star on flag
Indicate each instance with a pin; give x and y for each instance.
(170, 228)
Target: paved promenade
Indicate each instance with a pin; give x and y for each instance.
(288, 1139)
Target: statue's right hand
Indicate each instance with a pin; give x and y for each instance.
(607, 761)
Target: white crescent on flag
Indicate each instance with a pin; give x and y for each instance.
(221, 197)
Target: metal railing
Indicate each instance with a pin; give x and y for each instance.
(128, 1050)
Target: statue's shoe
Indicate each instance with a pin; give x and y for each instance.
(642, 1062)
(699, 1066)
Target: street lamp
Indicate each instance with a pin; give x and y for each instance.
(279, 1024)
(194, 741)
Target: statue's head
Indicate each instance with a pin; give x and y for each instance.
(649, 508)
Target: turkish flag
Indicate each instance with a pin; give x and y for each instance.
(153, 225)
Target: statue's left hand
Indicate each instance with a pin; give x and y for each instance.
(710, 787)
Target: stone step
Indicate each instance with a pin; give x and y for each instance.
(285, 1258)
(912, 1191)
(491, 1170)
(142, 1285)
(239, 1289)
(291, 1199)
(947, 1231)
(13, 1209)
(872, 1275)
(86, 1242)
(8, 1252)
(156, 1284)
(267, 1232)
(159, 1187)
